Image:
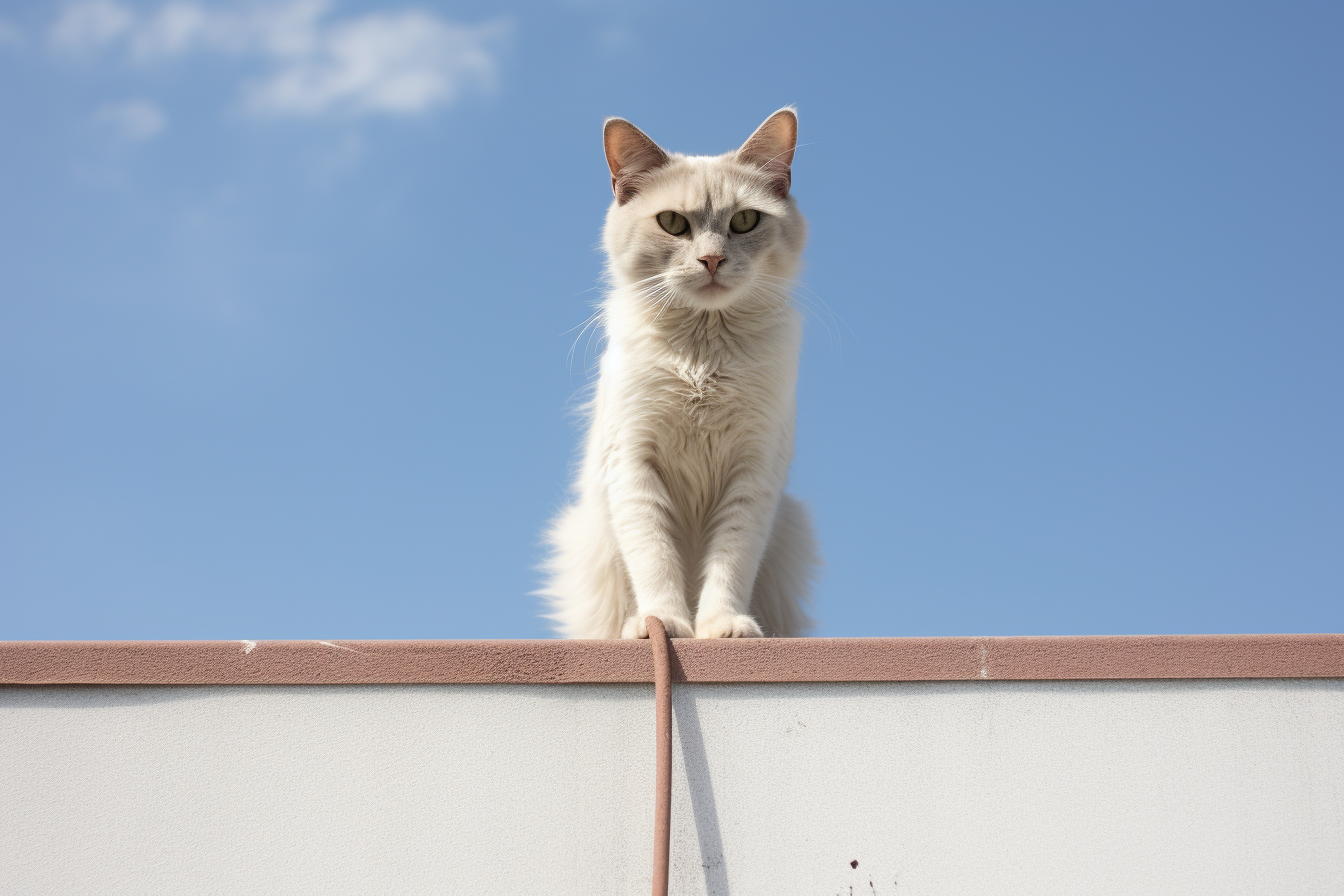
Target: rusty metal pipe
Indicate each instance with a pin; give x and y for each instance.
(662, 805)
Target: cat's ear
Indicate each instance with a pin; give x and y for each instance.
(771, 148)
(630, 155)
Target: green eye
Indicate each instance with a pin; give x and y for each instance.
(673, 222)
(744, 220)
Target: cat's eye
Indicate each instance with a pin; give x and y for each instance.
(744, 220)
(673, 222)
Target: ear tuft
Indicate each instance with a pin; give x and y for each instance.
(630, 156)
(771, 148)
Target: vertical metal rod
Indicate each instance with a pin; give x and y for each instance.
(662, 807)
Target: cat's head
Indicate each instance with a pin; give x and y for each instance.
(704, 232)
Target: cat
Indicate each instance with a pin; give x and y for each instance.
(679, 509)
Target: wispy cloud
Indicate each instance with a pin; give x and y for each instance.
(132, 121)
(88, 26)
(10, 35)
(398, 63)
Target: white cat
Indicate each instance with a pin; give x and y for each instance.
(679, 508)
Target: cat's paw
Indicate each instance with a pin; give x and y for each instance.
(675, 626)
(728, 626)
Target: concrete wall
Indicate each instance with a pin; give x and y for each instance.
(1184, 787)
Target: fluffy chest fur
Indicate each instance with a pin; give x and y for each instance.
(702, 420)
(701, 408)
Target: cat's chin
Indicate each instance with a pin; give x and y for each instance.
(713, 296)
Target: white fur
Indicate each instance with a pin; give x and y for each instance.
(679, 508)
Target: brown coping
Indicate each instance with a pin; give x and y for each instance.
(588, 662)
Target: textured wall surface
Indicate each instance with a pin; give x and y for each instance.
(931, 787)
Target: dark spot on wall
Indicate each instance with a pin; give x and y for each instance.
(854, 864)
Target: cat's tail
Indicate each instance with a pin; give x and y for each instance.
(784, 583)
(587, 586)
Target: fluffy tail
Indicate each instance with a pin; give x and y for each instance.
(587, 586)
(784, 583)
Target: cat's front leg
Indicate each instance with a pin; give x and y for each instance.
(642, 523)
(740, 532)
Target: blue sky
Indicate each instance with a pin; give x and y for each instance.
(288, 294)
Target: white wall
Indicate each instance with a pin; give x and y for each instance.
(960, 788)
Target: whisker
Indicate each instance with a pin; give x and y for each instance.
(806, 303)
(590, 326)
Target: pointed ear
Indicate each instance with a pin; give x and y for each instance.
(771, 148)
(630, 156)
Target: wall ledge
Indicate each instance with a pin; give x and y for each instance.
(1118, 657)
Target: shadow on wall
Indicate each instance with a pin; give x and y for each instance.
(704, 811)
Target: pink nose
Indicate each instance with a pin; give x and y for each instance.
(712, 261)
